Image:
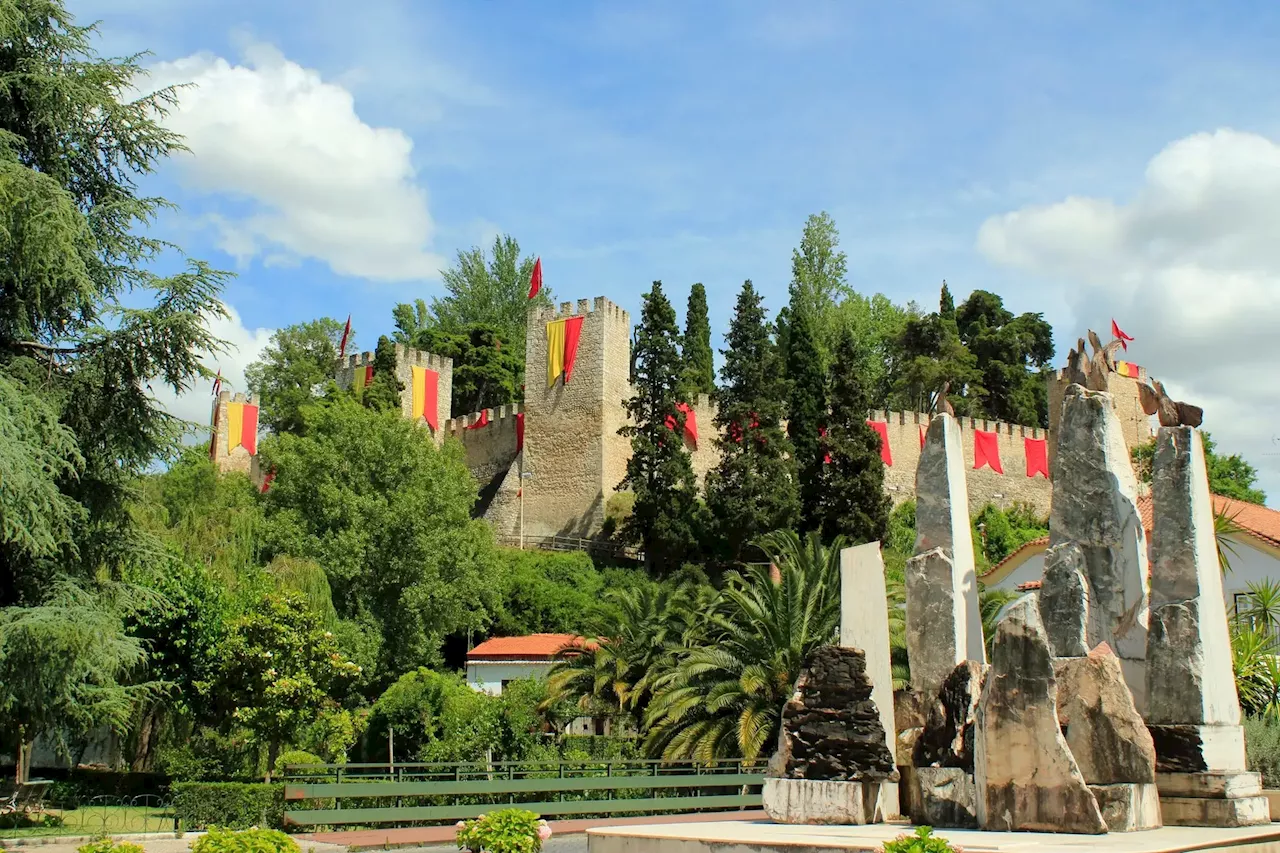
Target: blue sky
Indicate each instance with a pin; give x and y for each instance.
(689, 141)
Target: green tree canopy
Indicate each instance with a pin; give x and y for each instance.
(699, 371)
(665, 518)
(1229, 476)
(818, 279)
(387, 514)
(298, 360)
(87, 318)
(753, 489)
(806, 416)
(1010, 354)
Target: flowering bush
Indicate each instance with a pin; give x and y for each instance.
(503, 831)
(924, 841)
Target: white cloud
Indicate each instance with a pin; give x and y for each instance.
(320, 183)
(1190, 267)
(243, 347)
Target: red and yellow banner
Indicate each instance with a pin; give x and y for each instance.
(426, 384)
(1129, 369)
(562, 348)
(242, 427)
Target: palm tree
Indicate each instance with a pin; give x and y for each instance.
(990, 602)
(1256, 667)
(1224, 529)
(637, 639)
(1263, 609)
(725, 697)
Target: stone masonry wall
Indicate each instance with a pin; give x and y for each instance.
(406, 358)
(239, 459)
(492, 459)
(1135, 423)
(571, 448)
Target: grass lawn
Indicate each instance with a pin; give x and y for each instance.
(89, 820)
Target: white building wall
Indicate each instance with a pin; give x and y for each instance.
(487, 676)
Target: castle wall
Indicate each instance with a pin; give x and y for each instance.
(572, 449)
(1134, 423)
(406, 358)
(705, 455)
(238, 460)
(492, 459)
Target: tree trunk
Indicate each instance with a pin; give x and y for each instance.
(22, 768)
(273, 752)
(148, 737)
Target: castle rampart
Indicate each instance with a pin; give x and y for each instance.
(345, 375)
(239, 452)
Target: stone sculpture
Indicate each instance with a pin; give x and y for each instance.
(1026, 777)
(943, 792)
(1064, 600)
(1108, 740)
(832, 752)
(1095, 509)
(1169, 412)
(944, 623)
(1193, 710)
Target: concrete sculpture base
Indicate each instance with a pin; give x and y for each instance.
(805, 801)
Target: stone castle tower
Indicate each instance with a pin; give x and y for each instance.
(233, 445)
(548, 467)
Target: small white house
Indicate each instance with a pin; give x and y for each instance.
(1254, 552)
(496, 662)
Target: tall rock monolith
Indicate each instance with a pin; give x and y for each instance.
(1095, 507)
(1026, 776)
(1193, 710)
(864, 624)
(944, 622)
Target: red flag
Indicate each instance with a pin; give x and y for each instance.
(217, 382)
(882, 429)
(482, 421)
(986, 451)
(922, 435)
(572, 334)
(519, 431)
(1037, 452)
(266, 481)
(1118, 333)
(342, 347)
(535, 280)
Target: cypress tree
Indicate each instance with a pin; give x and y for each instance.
(806, 415)
(383, 393)
(946, 303)
(665, 517)
(854, 504)
(699, 372)
(753, 489)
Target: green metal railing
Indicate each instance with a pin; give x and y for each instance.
(380, 794)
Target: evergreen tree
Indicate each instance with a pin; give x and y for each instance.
(753, 489)
(806, 416)
(854, 504)
(666, 515)
(818, 271)
(699, 372)
(946, 303)
(383, 393)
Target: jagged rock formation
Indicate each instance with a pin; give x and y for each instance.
(1025, 774)
(1064, 601)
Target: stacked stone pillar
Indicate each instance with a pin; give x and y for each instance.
(1193, 710)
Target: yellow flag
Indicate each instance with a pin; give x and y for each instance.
(235, 425)
(555, 351)
(357, 378)
(418, 375)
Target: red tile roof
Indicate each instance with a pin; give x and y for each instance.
(531, 647)
(1260, 522)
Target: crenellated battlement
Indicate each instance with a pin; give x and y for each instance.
(500, 418)
(598, 307)
(998, 427)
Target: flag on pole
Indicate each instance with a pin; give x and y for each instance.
(1118, 334)
(535, 280)
(217, 382)
(342, 348)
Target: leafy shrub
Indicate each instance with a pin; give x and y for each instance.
(107, 845)
(218, 840)
(1262, 747)
(503, 831)
(231, 805)
(924, 841)
(296, 757)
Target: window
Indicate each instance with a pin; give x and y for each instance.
(505, 682)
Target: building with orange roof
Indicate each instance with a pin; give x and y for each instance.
(1253, 552)
(498, 661)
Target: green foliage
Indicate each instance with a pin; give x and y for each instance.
(666, 515)
(383, 393)
(71, 349)
(1256, 667)
(806, 415)
(930, 354)
(998, 533)
(753, 489)
(1010, 354)
(876, 325)
(922, 841)
(490, 291)
(818, 272)
(724, 696)
(853, 503)
(503, 831)
(901, 536)
(222, 840)
(298, 359)
(699, 371)
(109, 845)
(369, 497)
(1229, 476)
(990, 604)
(546, 592)
(277, 670)
(227, 805)
(296, 758)
(1262, 748)
(64, 668)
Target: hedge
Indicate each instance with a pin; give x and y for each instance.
(231, 805)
